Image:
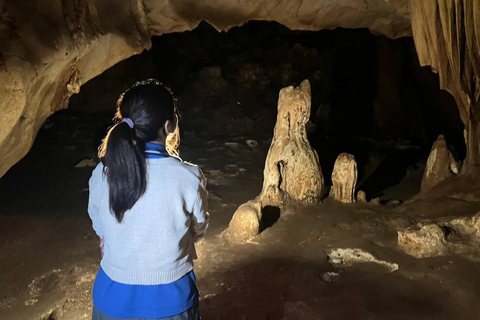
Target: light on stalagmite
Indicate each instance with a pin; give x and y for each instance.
(344, 178)
(292, 169)
(441, 164)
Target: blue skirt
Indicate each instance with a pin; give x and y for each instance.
(191, 314)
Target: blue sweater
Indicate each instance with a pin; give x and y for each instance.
(154, 243)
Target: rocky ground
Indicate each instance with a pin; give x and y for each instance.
(292, 270)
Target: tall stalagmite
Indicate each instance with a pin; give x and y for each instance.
(292, 169)
(447, 37)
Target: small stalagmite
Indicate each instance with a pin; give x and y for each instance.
(245, 223)
(344, 178)
(441, 164)
(292, 169)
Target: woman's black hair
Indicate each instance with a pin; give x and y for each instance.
(148, 104)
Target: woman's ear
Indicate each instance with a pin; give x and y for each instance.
(170, 126)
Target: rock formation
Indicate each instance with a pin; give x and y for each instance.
(447, 39)
(362, 196)
(245, 223)
(459, 236)
(429, 241)
(292, 170)
(344, 178)
(441, 164)
(50, 48)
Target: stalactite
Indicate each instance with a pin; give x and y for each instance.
(447, 38)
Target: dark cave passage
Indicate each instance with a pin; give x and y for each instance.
(370, 97)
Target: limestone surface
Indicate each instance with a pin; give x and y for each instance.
(441, 164)
(344, 178)
(292, 169)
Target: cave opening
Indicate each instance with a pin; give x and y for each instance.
(370, 97)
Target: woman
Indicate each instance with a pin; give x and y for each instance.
(148, 208)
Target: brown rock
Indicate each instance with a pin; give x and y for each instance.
(344, 178)
(245, 223)
(441, 164)
(429, 241)
(292, 169)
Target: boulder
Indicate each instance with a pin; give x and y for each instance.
(429, 241)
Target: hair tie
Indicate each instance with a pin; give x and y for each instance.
(129, 122)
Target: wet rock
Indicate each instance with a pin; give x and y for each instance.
(361, 196)
(375, 201)
(245, 223)
(441, 164)
(348, 257)
(429, 241)
(292, 169)
(344, 178)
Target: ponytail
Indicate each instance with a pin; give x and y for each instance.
(125, 168)
(143, 110)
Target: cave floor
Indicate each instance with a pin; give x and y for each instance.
(50, 254)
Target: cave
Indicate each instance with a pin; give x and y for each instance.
(379, 89)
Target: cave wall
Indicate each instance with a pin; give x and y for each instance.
(447, 39)
(51, 47)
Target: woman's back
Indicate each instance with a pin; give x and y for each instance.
(153, 243)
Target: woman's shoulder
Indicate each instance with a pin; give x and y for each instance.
(180, 166)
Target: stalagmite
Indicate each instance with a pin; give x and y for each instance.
(245, 223)
(441, 164)
(292, 170)
(344, 178)
(362, 196)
